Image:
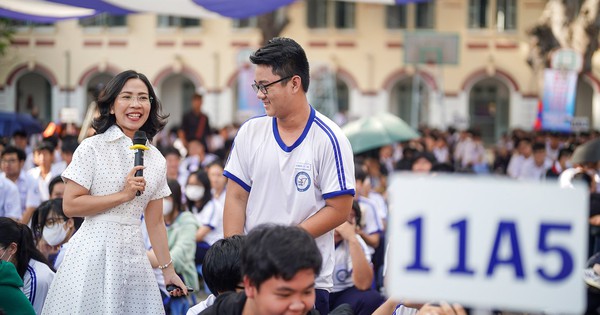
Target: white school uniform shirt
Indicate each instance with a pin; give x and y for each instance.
(36, 283)
(370, 222)
(212, 216)
(198, 308)
(10, 203)
(287, 185)
(342, 272)
(26, 185)
(41, 190)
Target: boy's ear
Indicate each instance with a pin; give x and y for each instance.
(249, 288)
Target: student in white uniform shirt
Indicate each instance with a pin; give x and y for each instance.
(12, 161)
(293, 166)
(55, 229)
(43, 156)
(353, 273)
(10, 205)
(17, 247)
(211, 218)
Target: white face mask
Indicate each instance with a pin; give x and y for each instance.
(167, 206)
(194, 192)
(54, 234)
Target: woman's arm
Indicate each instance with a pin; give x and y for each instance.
(77, 201)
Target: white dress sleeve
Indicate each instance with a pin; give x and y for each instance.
(82, 168)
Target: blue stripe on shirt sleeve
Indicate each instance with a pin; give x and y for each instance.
(339, 193)
(237, 180)
(33, 287)
(337, 156)
(338, 150)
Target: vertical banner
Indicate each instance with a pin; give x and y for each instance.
(248, 104)
(559, 99)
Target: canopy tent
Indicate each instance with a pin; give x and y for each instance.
(55, 10)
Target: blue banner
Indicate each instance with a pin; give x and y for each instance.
(558, 99)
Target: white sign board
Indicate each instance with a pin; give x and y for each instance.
(580, 124)
(69, 115)
(485, 242)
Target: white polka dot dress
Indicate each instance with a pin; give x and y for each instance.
(106, 270)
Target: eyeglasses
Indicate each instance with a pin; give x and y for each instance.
(142, 99)
(52, 221)
(263, 87)
(9, 161)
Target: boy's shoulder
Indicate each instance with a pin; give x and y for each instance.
(229, 303)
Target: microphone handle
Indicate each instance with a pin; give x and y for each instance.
(139, 160)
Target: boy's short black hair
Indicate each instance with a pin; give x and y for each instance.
(538, 146)
(286, 58)
(21, 155)
(53, 183)
(69, 145)
(171, 150)
(564, 152)
(278, 251)
(222, 267)
(45, 145)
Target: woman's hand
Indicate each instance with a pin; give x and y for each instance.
(134, 184)
(172, 278)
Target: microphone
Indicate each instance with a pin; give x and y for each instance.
(139, 144)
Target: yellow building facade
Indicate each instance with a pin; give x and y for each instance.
(356, 50)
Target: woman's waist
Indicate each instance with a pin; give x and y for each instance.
(123, 219)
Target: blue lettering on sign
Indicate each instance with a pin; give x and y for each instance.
(510, 229)
(417, 265)
(543, 247)
(506, 232)
(461, 265)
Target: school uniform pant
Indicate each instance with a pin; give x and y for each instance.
(322, 301)
(362, 302)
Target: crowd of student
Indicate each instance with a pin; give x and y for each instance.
(34, 231)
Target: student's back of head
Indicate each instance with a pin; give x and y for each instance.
(278, 251)
(222, 267)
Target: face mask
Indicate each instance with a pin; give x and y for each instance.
(167, 206)
(9, 256)
(54, 234)
(194, 192)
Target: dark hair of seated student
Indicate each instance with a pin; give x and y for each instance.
(222, 267)
(279, 267)
(19, 238)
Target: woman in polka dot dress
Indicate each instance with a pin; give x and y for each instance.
(106, 269)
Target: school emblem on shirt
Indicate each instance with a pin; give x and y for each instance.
(302, 181)
(342, 275)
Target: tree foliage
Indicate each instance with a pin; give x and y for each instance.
(564, 24)
(272, 24)
(6, 33)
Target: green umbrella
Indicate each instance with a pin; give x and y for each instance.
(377, 131)
(587, 153)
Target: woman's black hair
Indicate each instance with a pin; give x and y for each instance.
(203, 179)
(175, 194)
(43, 211)
(20, 234)
(156, 120)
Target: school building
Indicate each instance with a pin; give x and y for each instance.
(442, 63)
